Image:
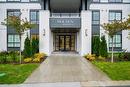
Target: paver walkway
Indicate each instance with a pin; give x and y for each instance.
(66, 68)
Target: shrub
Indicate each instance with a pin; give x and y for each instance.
(127, 56)
(101, 58)
(90, 57)
(27, 48)
(13, 55)
(28, 60)
(95, 45)
(39, 55)
(37, 59)
(3, 57)
(103, 47)
(35, 46)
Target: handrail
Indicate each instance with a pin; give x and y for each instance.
(65, 15)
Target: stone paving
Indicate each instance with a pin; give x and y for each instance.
(66, 68)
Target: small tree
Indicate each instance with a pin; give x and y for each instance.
(18, 25)
(114, 27)
(27, 48)
(95, 45)
(35, 45)
(103, 47)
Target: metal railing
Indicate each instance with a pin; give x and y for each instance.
(65, 15)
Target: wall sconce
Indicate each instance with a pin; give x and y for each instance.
(44, 32)
(86, 32)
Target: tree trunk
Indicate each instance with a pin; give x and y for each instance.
(112, 51)
(20, 51)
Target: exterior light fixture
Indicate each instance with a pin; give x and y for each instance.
(86, 32)
(44, 32)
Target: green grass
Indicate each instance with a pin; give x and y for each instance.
(116, 71)
(16, 74)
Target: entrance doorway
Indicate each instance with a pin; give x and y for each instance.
(65, 43)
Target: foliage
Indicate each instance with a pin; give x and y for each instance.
(101, 58)
(13, 55)
(3, 57)
(95, 45)
(37, 60)
(114, 27)
(27, 48)
(16, 74)
(103, 47)
(28, 60)
(116, 71)
(90, 57)
(35, 46)
(19, 25)
(127, 56)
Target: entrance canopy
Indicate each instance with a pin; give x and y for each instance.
(65, 6)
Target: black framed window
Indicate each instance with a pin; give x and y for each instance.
(115, 1)
(117, 39)
(13, 40)
(34, 16)
(96, 22)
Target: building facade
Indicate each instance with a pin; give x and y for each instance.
(64, 25)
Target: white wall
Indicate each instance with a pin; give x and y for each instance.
(24, 8)
(86, 25)
(44, 41)
(104, 17)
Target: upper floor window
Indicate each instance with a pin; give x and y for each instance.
(14, 0)
(115, 15)
(115, 1)
(96, 17)
(96, 0)
(34, 16)
(13, 13)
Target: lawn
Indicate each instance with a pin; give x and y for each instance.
(16, 74)
(116, 71)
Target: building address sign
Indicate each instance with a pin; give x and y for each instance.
(65, 22)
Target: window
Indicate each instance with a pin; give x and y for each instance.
(115, 15)
(34, 16)
(96, 0)
(95, 22)
(115, 1)
(13, 0)
(13, 41)
(117, 39)
(13, 13)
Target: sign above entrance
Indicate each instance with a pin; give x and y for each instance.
(65, 22)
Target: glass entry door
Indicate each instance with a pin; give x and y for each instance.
(65, 43)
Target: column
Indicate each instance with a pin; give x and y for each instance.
(85, 32)
(44, 32)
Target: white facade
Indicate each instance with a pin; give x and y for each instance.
(48, 34)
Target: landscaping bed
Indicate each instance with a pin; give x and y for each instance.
(116, 70)
(15, 74)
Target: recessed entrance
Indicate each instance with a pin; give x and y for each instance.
(64, 42)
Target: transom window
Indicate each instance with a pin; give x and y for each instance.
(13, 41)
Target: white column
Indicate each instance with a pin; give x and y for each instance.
(3, 31)
(85, 37)
(44, 40)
